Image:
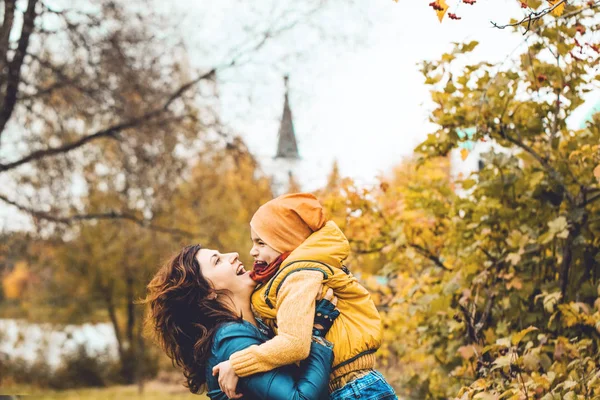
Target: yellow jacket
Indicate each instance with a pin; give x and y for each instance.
(289, 297)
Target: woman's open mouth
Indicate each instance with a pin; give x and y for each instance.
(240, 270)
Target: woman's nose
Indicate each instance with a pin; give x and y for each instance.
(233, 257)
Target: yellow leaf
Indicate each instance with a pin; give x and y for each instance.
(597, 172)
(464, 153)
(15, 283)
(442, 12)
(557, 12)
(517, 337)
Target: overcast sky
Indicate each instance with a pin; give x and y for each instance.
(359, 99)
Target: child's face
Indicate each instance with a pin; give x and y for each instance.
(261, 251)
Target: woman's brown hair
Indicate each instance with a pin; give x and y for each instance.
(182, 317)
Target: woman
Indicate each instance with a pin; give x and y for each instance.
(296, 252)
(200, 311)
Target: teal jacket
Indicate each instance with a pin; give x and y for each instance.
(308, 381)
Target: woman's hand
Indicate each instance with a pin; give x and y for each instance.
(228, 380)
(325, 313)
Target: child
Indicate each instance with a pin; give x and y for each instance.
(296, 251)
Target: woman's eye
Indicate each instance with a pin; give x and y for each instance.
(218, 260)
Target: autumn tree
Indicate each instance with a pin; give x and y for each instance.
(99, 272)
(76, 83)
(492, 291)
(525, 239)
(334, 178)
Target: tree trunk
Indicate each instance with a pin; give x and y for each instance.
(112, 313)
(129, 362)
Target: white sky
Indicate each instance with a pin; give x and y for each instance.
(363, 104)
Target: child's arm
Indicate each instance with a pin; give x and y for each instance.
(295, 317)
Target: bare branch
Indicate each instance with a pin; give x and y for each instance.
(62, 79)
(532, 17)
(14, 68)
(111, 215)
(7, 24)
(109, 132)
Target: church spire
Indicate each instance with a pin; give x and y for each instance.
(286, 145)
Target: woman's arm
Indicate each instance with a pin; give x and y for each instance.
(309, 381)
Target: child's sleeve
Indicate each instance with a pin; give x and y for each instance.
(295, 319)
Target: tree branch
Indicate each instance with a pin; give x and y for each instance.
(109, 132)
(488, 254)
(68, 220)
(427, 254)
(592, 199)
(484, 316)
(566, 261)
(7, 24)
(554, 174)
(14, 68)
(533, 16)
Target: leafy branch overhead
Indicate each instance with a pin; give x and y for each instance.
(534, 10)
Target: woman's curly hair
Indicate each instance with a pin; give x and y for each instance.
(181, 316)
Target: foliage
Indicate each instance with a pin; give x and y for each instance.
(535, 9)
(98, 270)
(94, 94)
(78, 369)
(15, 283)
(490, 285)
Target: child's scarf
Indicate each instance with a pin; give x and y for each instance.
(261, 273)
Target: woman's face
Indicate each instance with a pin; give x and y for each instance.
(262, 253)
(225, 271)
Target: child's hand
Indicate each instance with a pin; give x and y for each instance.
(228, 380)
(325, 313)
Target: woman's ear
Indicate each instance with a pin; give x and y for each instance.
(212, 296)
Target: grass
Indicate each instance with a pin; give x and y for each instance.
(152, 391)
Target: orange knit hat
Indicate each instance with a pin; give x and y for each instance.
(286, 221)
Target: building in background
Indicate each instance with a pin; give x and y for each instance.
(283, 168)
(469, 156)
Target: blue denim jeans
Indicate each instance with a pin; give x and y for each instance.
(372, 386)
